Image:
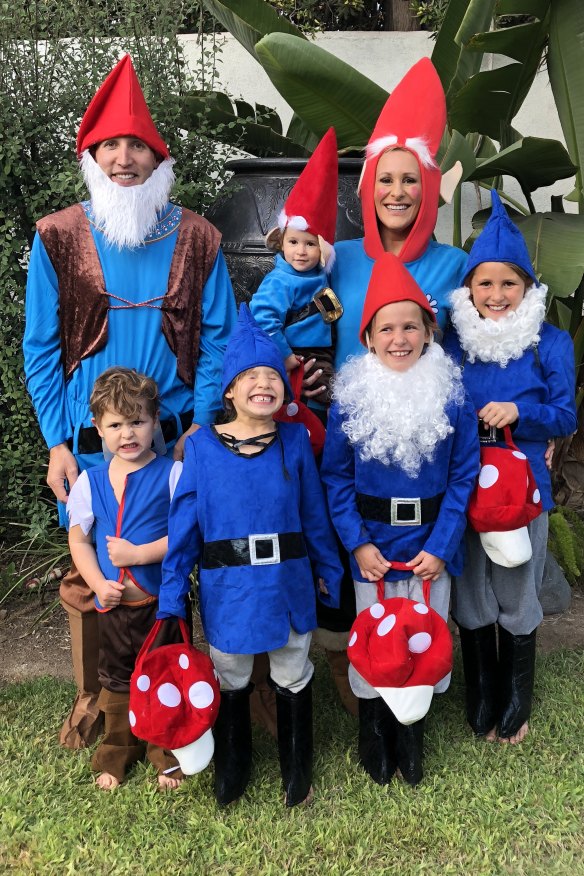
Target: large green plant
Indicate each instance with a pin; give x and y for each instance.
(45, 85)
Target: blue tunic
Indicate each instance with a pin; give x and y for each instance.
(249, 609)
(437, 272)
(542, 386)
(140, 517)
(452, 472)
(285, 289)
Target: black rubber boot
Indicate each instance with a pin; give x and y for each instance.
(517, 673)
(294, 712)
(377, 740)
(410, 751)
(232, 734)
(479, 659)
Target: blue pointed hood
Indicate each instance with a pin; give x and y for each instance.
(500, 241)
(249, 347)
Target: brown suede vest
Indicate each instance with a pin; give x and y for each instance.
(83, 302)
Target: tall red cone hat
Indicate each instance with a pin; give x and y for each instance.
(118, 109)
(312, 204)
(390, 282)
(413, 118)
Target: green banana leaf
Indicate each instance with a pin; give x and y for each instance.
(454, 147)
(566, 70)
(250, 20)
(322, 89)
(532, 161)
(455, 65)
(239, 127)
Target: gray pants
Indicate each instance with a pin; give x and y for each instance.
(409, 588)
(289, 666)
(487, 593)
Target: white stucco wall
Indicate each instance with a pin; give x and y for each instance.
(384, 58)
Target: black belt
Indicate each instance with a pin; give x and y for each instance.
(399, 511)
(88, 440)
(255, 550)
(324, 302)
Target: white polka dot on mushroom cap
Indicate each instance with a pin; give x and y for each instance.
(489, 475)
(183, 661)
(143, 683)
(419, 642)
(169, 695)
(377, 610)
(386, 625)
(132, 718)
(421, 608)
(536, 497)
(201, 694)
(352, 640)
(519, 454)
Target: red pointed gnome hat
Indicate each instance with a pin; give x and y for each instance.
(296, 411)
(118, 109)
(413, 118)
(312, 204)
(390, 281)
(402, 648)
(174, 700)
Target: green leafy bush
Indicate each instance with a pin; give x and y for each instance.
(45, 86)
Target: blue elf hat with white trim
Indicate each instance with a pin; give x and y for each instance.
(251, 347)
(500, 241)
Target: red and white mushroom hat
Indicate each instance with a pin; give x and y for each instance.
(174, 701)
(402, 648)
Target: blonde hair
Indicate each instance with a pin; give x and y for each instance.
(125, 391)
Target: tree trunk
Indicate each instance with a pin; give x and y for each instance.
(397, 16)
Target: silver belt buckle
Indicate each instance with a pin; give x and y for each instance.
(417, 506)
(264, 561)
(490, 437)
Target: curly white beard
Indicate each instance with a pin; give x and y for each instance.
(499, 340)
(126, 215)
(395, 417)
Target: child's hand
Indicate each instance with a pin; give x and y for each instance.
(109, 593)
(499, 414)
(372, 564)
(322, 587)
(310, 386)
(291, 362)
(122, 552)
(426, 566)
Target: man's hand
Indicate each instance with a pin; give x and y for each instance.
(372, 564)
(109, 593)
(62, 467)
(122, 552)
(426, 565)
(178, 452)
(499, 414)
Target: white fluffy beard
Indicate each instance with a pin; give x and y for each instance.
(126, 216)
(498, 340)
(398, 418)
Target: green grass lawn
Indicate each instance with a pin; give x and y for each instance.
(482, 809)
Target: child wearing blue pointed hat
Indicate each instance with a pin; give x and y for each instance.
(250, 512)
(519, 372)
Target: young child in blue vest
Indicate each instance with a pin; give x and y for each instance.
(250, 512)
(519, 372)
(400, 461)
(293, 303)
(118, 524)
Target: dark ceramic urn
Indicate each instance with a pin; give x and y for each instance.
(248, 207)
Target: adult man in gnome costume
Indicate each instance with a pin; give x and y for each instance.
(126, 278)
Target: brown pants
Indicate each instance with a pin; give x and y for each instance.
(120, 749)
(84, 723)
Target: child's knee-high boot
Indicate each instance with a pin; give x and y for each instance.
(517, 673)
(410, 751)
(479, 660)
(377, 740)
(295, 747)
(232, 734)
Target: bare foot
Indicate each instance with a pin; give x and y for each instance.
(517, 737)
(106, 782)
(169, 783)
(491, 735)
